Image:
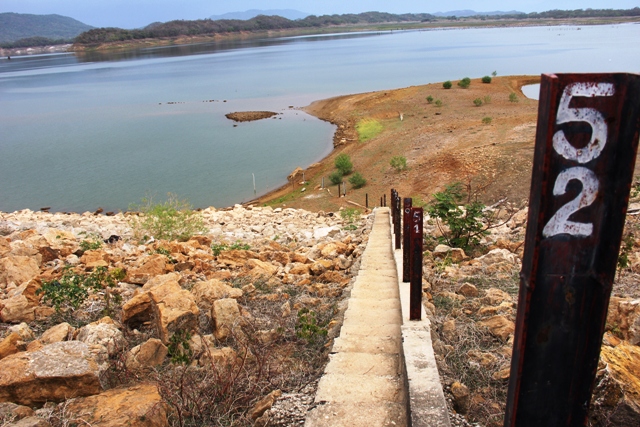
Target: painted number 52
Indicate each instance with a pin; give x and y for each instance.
(559, 222)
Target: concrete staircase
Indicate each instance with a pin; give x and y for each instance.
(365, 383)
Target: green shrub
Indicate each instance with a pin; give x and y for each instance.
(487, 99)
(464, 83)
(495, 73)
(336, 177)
(486, 120)
(486, 79)
(438, 103)
(218, 248)
(179, 349)
(357, 180)
(72, 289)
(172, 220)
(477, 102)
(92, 242)
(343, 164)
(429, 99)
(367, 129)
(309, 329)
(447, 84)
(399, 163)
(464, 223)
(513, 97)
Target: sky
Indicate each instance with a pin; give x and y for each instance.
(138, 13)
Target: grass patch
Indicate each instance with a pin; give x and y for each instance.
(368, 128)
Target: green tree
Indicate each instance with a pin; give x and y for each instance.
(486, 79)
(447, 84)
(335, 177)
(343, 164)
(357, 180)
(429, 99)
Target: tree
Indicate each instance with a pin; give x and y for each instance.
(335, 177)
(447, 84)
(429, 99)
(486, 79)
(343, 164)
(357, 180)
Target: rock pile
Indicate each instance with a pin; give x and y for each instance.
(260, 289)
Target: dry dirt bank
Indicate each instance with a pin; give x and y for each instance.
(442, 144)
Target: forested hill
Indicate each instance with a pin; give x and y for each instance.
(261, 22)
(16, 26)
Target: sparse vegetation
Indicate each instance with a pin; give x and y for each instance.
(477, 102)
(513, 97)
(447, 84)
(429, 99)
(486, 120)
(92, 242)
(399, 163)
(173, 219)
(367, 129)
(487, 99)
(218, 248)
(438, 103)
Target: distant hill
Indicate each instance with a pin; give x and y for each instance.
(252, 13)
(16, 26)
(465, 13)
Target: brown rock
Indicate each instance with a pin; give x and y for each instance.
(495, 296)
(236, 258)
(32, 421)
(207, 292)
(468, 290)
(17, 412)
(93, 259)
(299, 268)
(17, 309)
(299, 258)
(502, 374)
(154, 265)
(261, 268)
(333, 249)
(137, 310)
(264, 404)
(616, 398)
(174, 309)
(499, 326)
(482, 359)
(449, 329)
(138, 406)
(25, 332)
(58, 333)
(225, 314)
(146, 355)
(5, 246)
(461, 397)
(17, 270)
(104, 332)
(11, 344)
(53, 373)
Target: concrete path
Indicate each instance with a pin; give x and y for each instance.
(364, 382)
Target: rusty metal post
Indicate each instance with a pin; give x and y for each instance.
(586, 144)
(406, 238)
(385, 201)
(392, 201)
(366, 200)
(415, 243)
(397, 229)
(339, 190)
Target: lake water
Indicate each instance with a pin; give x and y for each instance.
(82, 132)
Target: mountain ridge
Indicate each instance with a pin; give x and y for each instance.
(16, 26)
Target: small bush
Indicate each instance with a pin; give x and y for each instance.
(368, 129)
(447, 84)
(464, 83)
(92, 242)
(172, 220)
(486, 79)
(487, 99)
(399, 163)
(357, 180)
(218, 248)
(513, 97)
(336, 177)
(477, 102)
(438, 103)
(486, 120)
(429, 99)
(343, 164)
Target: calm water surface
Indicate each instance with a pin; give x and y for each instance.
(82, 132)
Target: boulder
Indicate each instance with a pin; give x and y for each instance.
(104, 332)
(495, 296)
(333, 249)
(55, 372)
(261, 268)
(461, 397)
(147, 355)
(499, 326)
(5, 246)
(32, 421)
(468, 290)
(263, 404)
(208, 291)
(17, 309)
(616, 398)
(225, 314)
(497, 256)
(174, 309)
(624, 317)
(137, 406)
(16, 412)
(17, 269)
(236, 258)
(11, 344)
(93, 259)
(25, 332)
(454, 254)
(300, 269)
(151, 266)
(58, 333)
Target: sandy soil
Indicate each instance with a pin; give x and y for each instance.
(442, 144)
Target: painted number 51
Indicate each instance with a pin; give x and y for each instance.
(559, 222)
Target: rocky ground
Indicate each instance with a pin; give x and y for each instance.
(210, 331)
